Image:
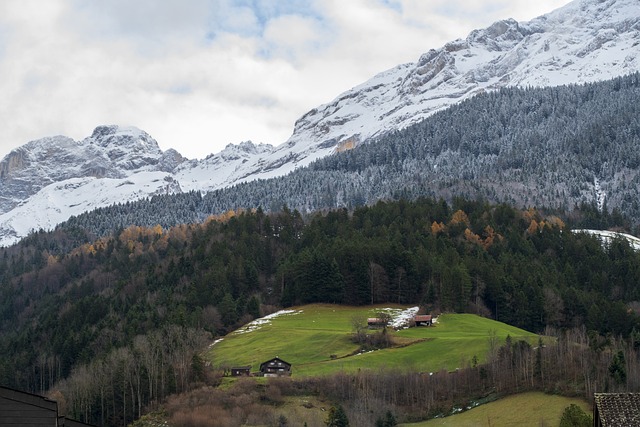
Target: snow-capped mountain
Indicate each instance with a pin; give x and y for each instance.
(585, 41)
(111, 152)
(46, 181)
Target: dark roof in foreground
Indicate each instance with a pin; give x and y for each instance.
(617, 409)
(20, 409)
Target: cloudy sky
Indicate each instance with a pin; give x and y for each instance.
(199, 74)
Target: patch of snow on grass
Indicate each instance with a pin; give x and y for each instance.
(400, 318)
(258, 323)
(215, 342)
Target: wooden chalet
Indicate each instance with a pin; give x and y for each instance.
(423, 319)
(18, 408)
(616, 409)
(275, 367)
(241, 371)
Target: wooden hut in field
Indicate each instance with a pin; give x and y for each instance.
(423, 320)
(241, 371)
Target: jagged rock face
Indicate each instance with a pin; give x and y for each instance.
(110, 152)
(585, 41)
(13, 162)
(170, 160)
(36, 164)
(126, 148)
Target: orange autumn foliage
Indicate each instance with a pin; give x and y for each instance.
(437, 227)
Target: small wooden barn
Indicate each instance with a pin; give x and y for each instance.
(423, 319)
(241, 371)
(275, 367)
(616, 409)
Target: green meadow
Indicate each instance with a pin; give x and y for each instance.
(533, 409)
(312, 334)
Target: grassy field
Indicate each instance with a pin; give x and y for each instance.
(526, 409)
(309, 335)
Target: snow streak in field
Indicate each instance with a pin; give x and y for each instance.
(258, 323)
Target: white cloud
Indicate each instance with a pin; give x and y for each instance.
(291, 36)
(200, 74)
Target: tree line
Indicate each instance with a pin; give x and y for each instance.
(62, 309)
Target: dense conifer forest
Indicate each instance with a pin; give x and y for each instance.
(141, 304)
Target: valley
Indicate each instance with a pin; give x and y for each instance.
(493, 184)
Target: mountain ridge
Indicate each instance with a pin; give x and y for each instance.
(570, 149)
(584, 41)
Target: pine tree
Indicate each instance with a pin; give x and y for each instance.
(337, 417)
(617, 368)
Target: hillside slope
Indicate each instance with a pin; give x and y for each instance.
(307, 337)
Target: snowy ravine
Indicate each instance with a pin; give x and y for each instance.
(607, 236)
(46, 181)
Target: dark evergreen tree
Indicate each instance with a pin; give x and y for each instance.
(337, 417)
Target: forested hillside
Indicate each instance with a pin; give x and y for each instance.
(116, 299)
(550, 147)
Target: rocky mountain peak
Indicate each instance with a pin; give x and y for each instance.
(584, 41)
(170, 160)
(499, 36)
(129, 148)
(119, 136)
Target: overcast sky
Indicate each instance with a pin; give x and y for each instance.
(199, 74)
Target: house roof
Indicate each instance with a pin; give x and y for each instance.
(19, 408)
(617, 409)
(28, 398)
(274, 361)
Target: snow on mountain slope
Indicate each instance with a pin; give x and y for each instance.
(585, 41)
(48, 180)
(57, 202)
(606, 237)
(222, 169)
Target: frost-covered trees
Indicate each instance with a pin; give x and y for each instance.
(550, 147)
